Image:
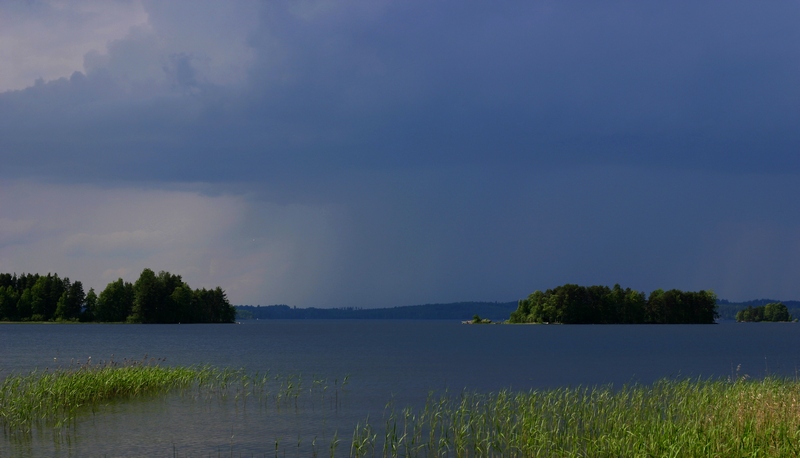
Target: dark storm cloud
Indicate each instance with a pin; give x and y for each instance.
(408, 84)
(532, 83)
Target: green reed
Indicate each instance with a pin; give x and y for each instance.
(669, 418)
(739, 417)
(54, 398)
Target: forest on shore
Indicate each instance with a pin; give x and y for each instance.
(153, 298)
(574, 304)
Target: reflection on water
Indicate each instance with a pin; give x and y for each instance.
(387, 361)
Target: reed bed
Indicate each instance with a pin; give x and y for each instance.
(52, 399)
(671, 418)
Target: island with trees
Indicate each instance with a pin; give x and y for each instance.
(153, 298)
(574, 304)
(728, 310)
(774, 311)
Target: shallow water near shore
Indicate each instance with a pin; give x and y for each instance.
(397, 362)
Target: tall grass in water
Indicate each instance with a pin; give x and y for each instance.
(53, 397)
(669, 418)
(48, 403)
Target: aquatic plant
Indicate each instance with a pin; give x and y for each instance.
(52, 397)
(669, 418)
(674, 417)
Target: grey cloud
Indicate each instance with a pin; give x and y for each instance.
(48, 39)
(137, 244)
(421, 84)
(687, 87)
(485, 236)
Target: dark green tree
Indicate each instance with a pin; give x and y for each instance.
(776, 311)
(522, 313)
(147, 296)
(45, 294)
(89, 311)
(704, 303)
(213, 306)
(8, 303)
(115, 302)
(7, 280)
(168, 311)
(40, 294)
(181, 298)
(633, 307)
(26, 281)
(25, 305)
(154, 302)
(753, 314)
(71, 302)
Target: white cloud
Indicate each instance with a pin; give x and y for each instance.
(139, 42)
(48, 39)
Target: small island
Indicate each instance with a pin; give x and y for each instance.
(476, 319)
(574, 304)
(775, 312)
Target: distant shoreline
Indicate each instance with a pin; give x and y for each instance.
(460, 311)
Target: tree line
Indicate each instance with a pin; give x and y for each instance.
(775, 311)
(153, 298)
(574, 304)
(452, 311)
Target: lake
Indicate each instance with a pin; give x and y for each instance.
(397, 362)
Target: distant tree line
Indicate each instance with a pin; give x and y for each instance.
(775, 311)
(574, 304)
(153, 298)
(453, 311)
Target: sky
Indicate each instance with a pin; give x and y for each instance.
(384, 153)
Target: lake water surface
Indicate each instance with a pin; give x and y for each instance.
(384, 361)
